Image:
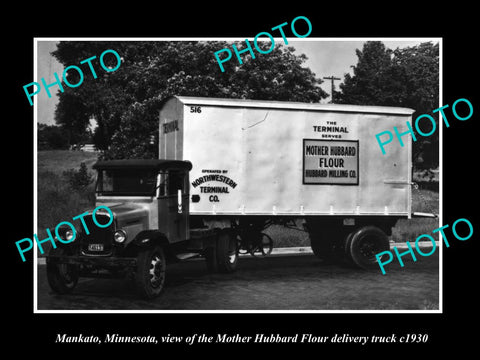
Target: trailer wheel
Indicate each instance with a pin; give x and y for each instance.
(227, 253)
(263, 246)
(62, 278)
(366, 242)
(322, 245)
(150, 272)
(319, 248)
(346, 248)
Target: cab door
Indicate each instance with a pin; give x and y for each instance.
(173, 205)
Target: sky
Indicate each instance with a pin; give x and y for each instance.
(326, 57)
(47, 65)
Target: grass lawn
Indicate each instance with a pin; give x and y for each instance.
(56, 200)
(408, 230)
(57, 161)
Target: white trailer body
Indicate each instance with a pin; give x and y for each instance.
(288, 159)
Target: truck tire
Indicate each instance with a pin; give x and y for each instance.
(210, 255)
(324, 245)
(320, 248)
(62, 278)
(346, 248)
(150, 273)
(365, 243)
(227, 254)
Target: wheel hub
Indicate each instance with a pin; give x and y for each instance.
(232, 258)
(368, 248)
(156, 271)
(66, 272)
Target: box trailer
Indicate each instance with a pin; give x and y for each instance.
(282, 158)
(229, 168)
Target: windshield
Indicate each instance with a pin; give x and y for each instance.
(126, 182)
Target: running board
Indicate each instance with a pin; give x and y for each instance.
(184, 256)
(424, 215)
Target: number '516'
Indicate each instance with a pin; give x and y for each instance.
(195, 109)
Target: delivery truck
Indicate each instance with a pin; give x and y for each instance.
(229, 168)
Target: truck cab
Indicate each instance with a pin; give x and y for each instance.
(149, 202)
(150, 194)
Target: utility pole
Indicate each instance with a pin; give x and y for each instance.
(333, 78)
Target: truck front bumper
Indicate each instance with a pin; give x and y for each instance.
(96, 261)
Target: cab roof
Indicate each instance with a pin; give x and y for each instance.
(153, 164)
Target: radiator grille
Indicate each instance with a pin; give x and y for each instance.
(98, 237)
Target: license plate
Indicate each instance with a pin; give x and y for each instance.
(95, 247)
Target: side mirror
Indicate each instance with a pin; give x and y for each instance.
(157, 186)
(179, 193)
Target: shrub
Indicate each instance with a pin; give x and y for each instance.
(58, 202)
(78, 179)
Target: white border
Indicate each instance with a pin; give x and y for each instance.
(440, 175)
(35, 211)
(35, 168)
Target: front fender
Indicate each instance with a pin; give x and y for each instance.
(149, 238)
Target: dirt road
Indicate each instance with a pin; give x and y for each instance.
(287, 282)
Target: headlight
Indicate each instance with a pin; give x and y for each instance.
(120, 236)
(68, 235)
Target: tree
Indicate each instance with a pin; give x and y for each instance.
(419, 67)
(52, 137)
(72, 115)
(125, 103)
(407, 77)
(367, 86)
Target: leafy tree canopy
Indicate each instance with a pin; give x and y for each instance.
(407, 77)
(125, 102)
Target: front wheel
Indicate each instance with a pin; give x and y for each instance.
(150, 273)
(62, 278)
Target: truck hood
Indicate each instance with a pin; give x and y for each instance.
(127, 214)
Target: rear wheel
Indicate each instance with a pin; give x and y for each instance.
(365, 243)
(62, 278)
(150, 273)
(324, 244)
(346, 248)
(320, 248)
(210, 255)
(227, 254)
